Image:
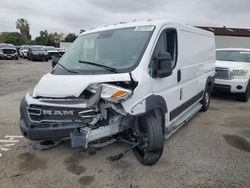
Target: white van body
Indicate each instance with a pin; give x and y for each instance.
(169, 97)
(233, 71)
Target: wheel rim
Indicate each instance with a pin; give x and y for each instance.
(207, 98)
(143, 140)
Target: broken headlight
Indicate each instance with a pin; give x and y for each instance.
(110, 92)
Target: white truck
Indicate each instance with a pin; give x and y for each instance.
(23, 51)
(133, 82)
(233, 72)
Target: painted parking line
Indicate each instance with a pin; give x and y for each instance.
(8, 145)
(10, 140)
(3, 149)
(12, 136)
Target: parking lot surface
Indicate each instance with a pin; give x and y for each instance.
(212, 150)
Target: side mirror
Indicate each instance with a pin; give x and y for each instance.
(55, 60)
(162, 67)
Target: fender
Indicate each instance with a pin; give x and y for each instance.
(149, 103)
(210, 82)
(156, 101)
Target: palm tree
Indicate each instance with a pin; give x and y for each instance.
(24, 27)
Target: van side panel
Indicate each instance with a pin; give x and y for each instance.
(196, 60)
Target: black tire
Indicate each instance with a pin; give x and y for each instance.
(206, 99)
(245, 96)
(151, 140)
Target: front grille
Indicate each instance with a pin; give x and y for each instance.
(38, 113)
(223, 73)
(9, 51)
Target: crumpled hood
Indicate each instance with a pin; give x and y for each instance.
(231, 64)
(60, 86)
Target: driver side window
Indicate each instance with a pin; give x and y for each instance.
(167, 42)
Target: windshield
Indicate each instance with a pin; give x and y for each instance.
(37, 49)
(105, 51)
(50, 48)
(7, 46)
(233, 55)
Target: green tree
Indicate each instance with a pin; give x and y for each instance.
(14, 38)
(24, 27)
(70, 37)
(3, 36)
(54, 39)
(49, 39)
(43, 38)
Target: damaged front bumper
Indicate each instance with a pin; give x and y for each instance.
(83, 121)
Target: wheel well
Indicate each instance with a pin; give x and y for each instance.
(156, 112)
(210, 83)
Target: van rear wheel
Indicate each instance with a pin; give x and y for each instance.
(150, 138)
(206, 99)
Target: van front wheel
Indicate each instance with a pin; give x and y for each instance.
(150, 139)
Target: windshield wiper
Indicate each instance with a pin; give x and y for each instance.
(71, 71)
(111, 69)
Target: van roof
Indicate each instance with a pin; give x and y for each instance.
(157, 23)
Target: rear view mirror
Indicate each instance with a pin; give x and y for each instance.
(162, 67)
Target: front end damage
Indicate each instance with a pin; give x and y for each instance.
(92, 118)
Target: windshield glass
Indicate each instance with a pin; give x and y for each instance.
(50, 48)
(233, 55)
(118, 49)
(37, 49)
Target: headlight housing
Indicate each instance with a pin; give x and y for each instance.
(240, 72)
(111, 92)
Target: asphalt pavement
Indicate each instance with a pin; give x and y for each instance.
(212, 150)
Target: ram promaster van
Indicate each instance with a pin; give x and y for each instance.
(135, 83)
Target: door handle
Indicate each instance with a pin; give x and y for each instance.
(180, 94)
(178, 75)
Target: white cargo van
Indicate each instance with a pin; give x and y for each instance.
(132, 82)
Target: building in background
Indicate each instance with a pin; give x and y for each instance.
(230, 37)
(65, 45)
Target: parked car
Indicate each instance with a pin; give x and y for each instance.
(51, 51)
(61, 51)
(132, 82)
(17, 49)
(8, 51)
(56, 58)
(37, 53)
(233, 71)
(23, 51)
